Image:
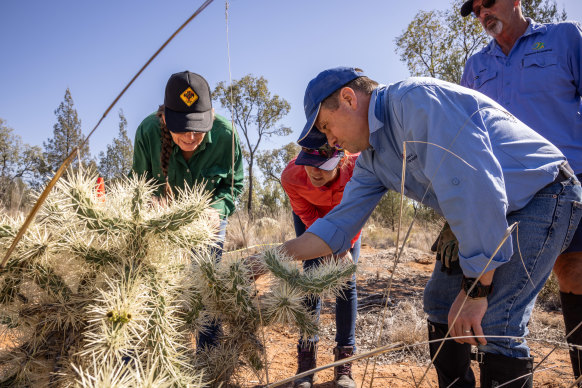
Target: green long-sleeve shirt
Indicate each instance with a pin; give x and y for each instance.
(211, 162)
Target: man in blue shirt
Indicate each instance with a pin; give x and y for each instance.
(475, 164)
(535, 71)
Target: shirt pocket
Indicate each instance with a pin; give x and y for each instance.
(483, 83)
(539, 70)
(214, 176)
(158, 175)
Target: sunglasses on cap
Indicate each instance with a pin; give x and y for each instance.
(484, 4)
(326, 151)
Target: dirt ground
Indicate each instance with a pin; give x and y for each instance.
(404, 368)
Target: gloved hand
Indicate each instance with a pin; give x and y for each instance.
(446, 247)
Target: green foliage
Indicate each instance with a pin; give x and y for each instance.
(117, 160)
(273, 162)
(271, 199)
(543, 11)
(19, 164)
(387, 212)
(438, 43)
(67, 136)
(255, 112)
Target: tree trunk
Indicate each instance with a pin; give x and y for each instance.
(250, 200)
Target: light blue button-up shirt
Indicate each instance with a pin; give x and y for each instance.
(539, 82)
(494, 165)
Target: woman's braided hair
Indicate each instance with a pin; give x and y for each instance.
(167, 147)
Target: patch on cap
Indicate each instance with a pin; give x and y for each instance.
(189, 96)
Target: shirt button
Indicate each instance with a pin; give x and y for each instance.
(188, 170)
(212, 181)
(455, 181)
(158, 175)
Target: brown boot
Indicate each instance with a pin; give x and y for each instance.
(342, 375)
(306, 360)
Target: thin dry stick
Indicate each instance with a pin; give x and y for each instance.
(521, 257)
(377, 351)
(505, 237)
(396, 261)
(556, 345)
(467, 120)
(397, 256)
(262, 328)
(69, 158)
(575, 383)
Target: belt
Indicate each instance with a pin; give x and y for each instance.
(565, 172)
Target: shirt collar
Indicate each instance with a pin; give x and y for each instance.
(373, 122)
(533, 27)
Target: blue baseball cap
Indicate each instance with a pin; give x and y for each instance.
(315, 158)
(318, 89)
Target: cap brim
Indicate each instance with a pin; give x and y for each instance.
(467, 8)
(310, 136)
(188, 122)
(321, 162)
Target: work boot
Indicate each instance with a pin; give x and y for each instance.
(509, 372)
(453, 362)
(342, 375)
(572, 311)
(306, 360)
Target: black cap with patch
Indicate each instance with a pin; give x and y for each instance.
(188, 104)
(467, 8)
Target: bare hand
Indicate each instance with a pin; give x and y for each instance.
(469, 320)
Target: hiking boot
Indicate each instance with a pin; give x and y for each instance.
(342, 375)
(306, 360)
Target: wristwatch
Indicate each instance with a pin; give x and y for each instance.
(479, 291)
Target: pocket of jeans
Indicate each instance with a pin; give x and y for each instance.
(575, 216)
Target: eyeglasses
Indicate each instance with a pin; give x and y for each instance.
(484, 4)
(326, 151)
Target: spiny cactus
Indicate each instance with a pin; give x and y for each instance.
(108, 291)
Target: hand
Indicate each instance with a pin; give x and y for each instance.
(469, 320)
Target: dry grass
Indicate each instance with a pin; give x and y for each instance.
(257, 234)
(421, 237)
(404, 323)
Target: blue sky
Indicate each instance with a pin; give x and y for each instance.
(95, 47)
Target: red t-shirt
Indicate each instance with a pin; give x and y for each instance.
(310, 202)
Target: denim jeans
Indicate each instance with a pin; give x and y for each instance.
(545, 228)
(209, 337)
(576, 243)
(346, 305)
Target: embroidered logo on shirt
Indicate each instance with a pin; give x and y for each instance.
(538, 46)
(189, 97)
